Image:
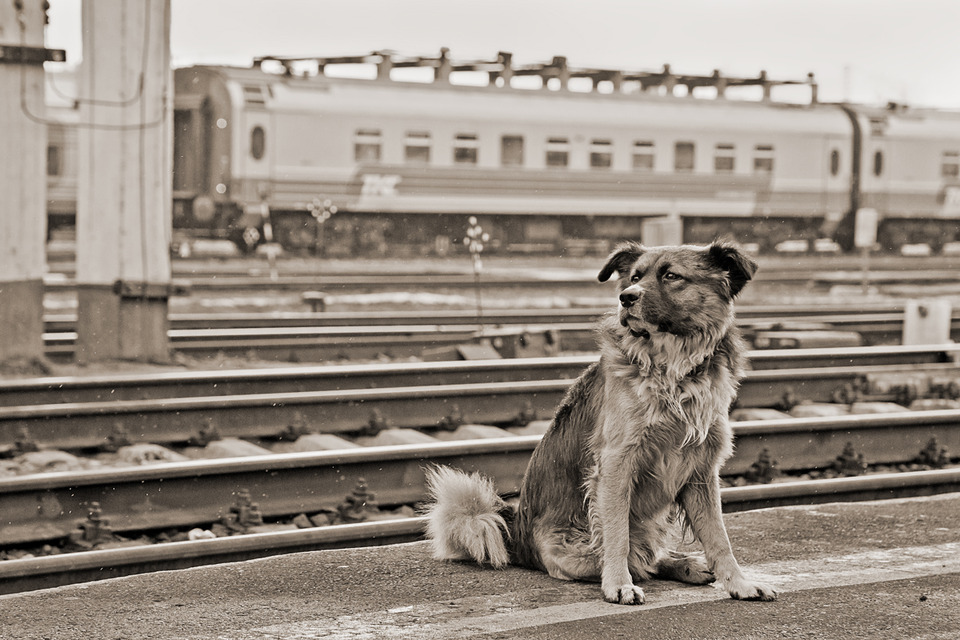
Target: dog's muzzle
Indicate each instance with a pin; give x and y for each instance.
(629, 298)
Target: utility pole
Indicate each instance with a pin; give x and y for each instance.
(125, 181)
(23, 187)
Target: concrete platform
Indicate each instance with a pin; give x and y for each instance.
(888, 569)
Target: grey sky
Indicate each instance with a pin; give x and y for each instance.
(866, 50)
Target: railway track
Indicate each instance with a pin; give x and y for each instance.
(43, 572)
(61, 256)
(304, 344)
(63, 390)
(290, 342)
(354, 284)
(82, 413)
(45, 507)
(747, 314)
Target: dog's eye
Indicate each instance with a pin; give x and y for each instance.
(635, 278)
(670, 275)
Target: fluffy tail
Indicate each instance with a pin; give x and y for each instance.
(465, 520)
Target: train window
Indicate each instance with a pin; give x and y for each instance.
(53, 160)
(683, 157)
(834, 162)
(878, 163)
(950, 167)
(601, 154)
(723, 158)
(511, 151)
(417, 147)
(258, 142)
(878, 125)
(367, 145)
(253, 95)
(763, 158)
(465, 148)
(643, 155)
(558, 152)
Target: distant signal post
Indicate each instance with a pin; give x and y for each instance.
(124, 182)
(23, 186)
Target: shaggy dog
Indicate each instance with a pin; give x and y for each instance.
(637, 442)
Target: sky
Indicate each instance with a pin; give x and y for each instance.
(867, 51)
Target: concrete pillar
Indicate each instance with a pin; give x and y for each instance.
(23, 186)
(124, 181)
(927, 321)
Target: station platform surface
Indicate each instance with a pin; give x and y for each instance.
(886, 569)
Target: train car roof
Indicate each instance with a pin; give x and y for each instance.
(900, 121)
(286, 93)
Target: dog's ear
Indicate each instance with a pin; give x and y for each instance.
(739, 266)
(620, 260)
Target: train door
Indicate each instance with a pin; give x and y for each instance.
(875, 171)
(255, 154)
(876, 182)
(193, 204)
(837, 172)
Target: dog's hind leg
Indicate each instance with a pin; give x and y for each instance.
(700, 499)
(684, 567)
(647, 533)
(569, 556)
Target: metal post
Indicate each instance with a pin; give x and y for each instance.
(125, 181)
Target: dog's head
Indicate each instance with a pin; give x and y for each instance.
(684, 291)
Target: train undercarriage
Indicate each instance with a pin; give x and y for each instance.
(353, 234)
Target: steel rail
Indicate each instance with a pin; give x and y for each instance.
(62, 255)
(141, 386)
(51, 571)
(185, 494)
(293, 344)
(258, 415)
(367, 283)
(747, 313)
(75, 389)
(18, 576)
(349, 411)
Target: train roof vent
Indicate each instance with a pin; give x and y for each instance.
(253, 95)
(557, 73)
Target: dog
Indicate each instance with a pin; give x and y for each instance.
(634, 450)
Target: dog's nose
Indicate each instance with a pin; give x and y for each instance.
(629, 298)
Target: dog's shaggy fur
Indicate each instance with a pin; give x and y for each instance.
(637, 441)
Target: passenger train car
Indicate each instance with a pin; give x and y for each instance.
(362, 166)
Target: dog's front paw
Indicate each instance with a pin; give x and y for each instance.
(624, 594)
(746, 590)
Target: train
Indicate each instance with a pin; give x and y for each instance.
(546, 157)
